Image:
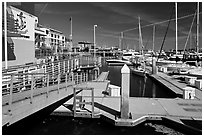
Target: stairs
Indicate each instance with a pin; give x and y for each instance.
(82, 108)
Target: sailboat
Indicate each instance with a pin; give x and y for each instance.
(189, 65)
(140, 70)
(175, 59)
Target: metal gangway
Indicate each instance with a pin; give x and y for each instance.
(24, 93)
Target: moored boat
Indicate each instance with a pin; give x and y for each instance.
(118, 62)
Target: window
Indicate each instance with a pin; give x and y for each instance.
(47, 31)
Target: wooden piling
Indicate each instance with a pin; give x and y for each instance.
(125, 84)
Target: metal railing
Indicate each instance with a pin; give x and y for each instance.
(50, 74)
(63, 64)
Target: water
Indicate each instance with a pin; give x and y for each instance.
(137, 86)
(61, 125)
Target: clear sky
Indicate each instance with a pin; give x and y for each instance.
(114, 17)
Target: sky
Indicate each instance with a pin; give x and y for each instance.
(114, 17)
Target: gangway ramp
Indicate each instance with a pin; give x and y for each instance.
(103, 76)
(41, 92)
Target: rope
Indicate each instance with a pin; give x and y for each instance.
(189, 32)
(165, 35)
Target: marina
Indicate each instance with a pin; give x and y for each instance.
(69, 89)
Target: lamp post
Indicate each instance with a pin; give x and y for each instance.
(94, 39)
(5, 36)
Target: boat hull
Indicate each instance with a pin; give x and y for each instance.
(117, 62)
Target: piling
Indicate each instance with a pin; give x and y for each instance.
(125, 84)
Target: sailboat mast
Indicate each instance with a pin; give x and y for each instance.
(197, 44)
(121, 40)
(176, 29)
(140, 36)
(153, 38)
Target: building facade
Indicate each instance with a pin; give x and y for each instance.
(49, 38)
(25, 36)
(20, 37)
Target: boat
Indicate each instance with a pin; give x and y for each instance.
(118, 62)
(128, 55)
(196, 72)
(162, 62)
(138, 71)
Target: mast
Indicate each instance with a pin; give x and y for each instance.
(140, 40)
(190, 40)
(197, 44)
(153, 40)
(176, 29)
(140, 36)
(120, 40)
(5, 36)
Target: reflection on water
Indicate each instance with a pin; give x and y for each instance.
(139, 86)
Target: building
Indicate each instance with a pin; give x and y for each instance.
(47, 38)
(20, 37)
(56, 40)
(25, 36)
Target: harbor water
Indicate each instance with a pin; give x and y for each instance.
(63, 125)
(139, 85)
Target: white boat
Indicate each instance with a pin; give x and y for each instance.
(118, 62)
(162, 62)
(128, 55)
(196, 72)
(139, 71)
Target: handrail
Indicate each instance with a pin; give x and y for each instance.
(42, 63)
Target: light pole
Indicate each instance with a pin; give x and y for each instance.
(94, 39)
(5, 36)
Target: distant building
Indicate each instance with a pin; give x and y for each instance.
(85, 45)
(49, 38)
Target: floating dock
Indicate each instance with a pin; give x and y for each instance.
(138, 109)
(174, 84)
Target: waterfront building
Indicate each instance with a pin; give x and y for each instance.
(20, 37)
(84, 45)
(49, 38)
(56, 39)
(27, 39)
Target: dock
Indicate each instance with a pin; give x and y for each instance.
(174, 84)
(138, 109)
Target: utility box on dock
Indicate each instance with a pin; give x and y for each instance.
(188, 93)
(198, 83)
(164, 69)
(114, 90)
